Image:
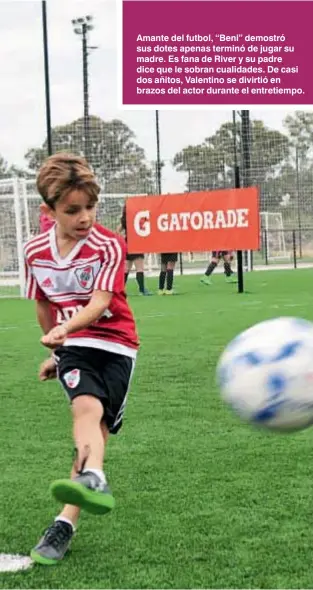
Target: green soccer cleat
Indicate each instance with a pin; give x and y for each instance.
(53, 545)
(206, 281)
(86, 491)
(231, 279)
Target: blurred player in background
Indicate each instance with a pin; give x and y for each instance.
(217, 255)
(45, 221)
(168, 263)
(45, 224)
(136, 259)
(78, 266)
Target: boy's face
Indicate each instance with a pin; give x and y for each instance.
(74, 214)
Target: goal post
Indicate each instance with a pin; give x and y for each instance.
(19, 235)
(273, 234)
(12, 236)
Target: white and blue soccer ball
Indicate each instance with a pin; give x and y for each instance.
(266, 374)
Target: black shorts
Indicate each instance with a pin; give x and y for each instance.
(169, 257)
(220, 253)
(105, 375)
(132, 257)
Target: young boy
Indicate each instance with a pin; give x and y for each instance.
(168, 263)
(78, 267)
(137, 259)
(217, 255)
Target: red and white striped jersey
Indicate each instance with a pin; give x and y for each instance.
(96, 262)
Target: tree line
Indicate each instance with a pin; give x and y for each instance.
(281, 163)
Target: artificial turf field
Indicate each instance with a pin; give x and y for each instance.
(202, 500)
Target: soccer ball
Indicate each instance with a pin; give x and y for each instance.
(266, 374)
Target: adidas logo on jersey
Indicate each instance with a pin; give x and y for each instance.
(47, 283)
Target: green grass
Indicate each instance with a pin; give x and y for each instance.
(202, 500)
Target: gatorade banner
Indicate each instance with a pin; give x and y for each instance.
(194, 222)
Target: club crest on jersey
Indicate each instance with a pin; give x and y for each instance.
(85, 276)
(72, 378)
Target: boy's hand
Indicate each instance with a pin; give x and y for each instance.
(56, 337)
(47, 370)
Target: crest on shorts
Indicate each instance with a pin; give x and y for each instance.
(85, 276)
(72, 378)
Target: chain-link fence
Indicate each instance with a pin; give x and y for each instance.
(280, 165)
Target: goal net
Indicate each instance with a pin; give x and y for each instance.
(273, 235)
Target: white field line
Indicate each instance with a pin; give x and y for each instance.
(14, 563)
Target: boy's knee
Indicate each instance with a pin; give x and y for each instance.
(87, 404)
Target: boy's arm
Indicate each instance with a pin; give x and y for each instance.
(47, 369)
(32, 289)
(44, 315)
(43, 307)
(99, 302)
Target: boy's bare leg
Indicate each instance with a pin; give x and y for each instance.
(69, 511)
(89, 490)
(87, 415)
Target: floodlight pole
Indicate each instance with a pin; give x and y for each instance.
(47, 78)
(246, 150)
(246, 157)
(81, 27)
(158, 155)
(85, 90)
(237, 185)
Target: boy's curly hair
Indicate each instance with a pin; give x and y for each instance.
(62, 173)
